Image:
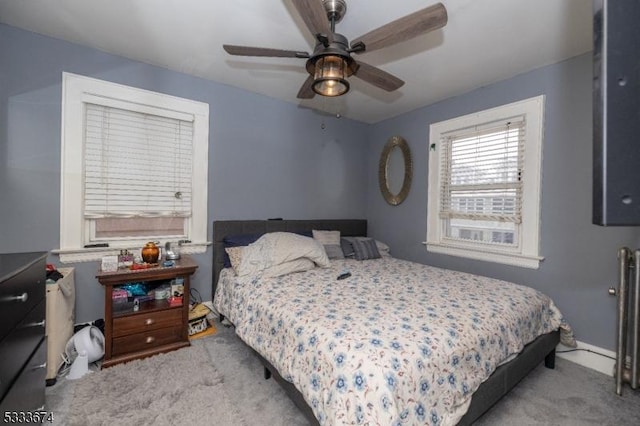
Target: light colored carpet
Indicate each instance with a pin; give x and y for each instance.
(161, 390)
(570, 395)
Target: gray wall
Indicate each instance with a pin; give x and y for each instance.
(266, 158)
(580, 258)
(271, 159)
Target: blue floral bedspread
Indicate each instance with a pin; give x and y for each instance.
(396, 343)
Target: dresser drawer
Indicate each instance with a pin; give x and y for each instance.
(143, 322)
(20, 343)
(27, 392)
(21, 290)
(147, 340)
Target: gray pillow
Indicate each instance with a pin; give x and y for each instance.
(365, 248)
(334, 251)
(331, 242)
(347, 247)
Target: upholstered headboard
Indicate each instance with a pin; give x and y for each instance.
(223, 228)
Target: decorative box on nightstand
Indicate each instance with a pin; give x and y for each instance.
(145, 327)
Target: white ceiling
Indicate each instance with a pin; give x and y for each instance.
(484, 41)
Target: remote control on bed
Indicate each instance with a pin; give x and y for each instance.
(345, 274)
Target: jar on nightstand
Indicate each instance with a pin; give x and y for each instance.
(150, 252)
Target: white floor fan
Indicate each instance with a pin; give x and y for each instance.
(84, 347)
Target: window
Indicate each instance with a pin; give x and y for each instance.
(484, 184)
(134, 169)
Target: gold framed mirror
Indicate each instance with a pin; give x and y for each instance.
(395, 170)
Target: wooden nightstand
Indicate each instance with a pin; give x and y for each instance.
(156, 326)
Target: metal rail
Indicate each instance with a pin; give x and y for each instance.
(628, 318)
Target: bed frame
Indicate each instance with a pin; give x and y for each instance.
(495, 387)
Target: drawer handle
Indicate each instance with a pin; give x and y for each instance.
(37, 324)
(150, 339)
(22, 298)
(37, 367)
(148, 321)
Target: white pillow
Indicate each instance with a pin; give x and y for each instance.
(383, 249)
(330, 240)
(327, 237)
(235, 256)
(276, 248)
(298, 265)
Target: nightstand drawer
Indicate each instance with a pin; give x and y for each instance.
(144, 322)
(147, 340)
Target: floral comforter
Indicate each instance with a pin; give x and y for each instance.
(396, 343)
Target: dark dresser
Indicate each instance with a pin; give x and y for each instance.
(23, 350)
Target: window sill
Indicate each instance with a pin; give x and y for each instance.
(96, 254)
(513, 259)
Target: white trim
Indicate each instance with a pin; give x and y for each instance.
(595, 361)
(528, 249)
(161, 108)
(513, 259)
(96, 254)
(76, 90)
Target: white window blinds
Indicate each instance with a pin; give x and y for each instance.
(136, 164)
(482, 171)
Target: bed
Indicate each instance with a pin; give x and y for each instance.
(365, 351)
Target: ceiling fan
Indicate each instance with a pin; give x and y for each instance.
(331, 62)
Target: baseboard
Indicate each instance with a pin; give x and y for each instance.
(589, 356)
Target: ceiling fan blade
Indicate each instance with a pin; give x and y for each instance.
(377, 77)
(261, 51)
(406, 28)
(314, 16)
(306, 92)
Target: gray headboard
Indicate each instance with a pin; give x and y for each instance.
(222, 228)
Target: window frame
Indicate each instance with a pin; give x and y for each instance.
(78, 90)
(526, 253)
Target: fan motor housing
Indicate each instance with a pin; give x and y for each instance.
(338, 47)
(336, 9)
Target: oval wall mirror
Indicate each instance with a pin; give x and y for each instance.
(395, 170)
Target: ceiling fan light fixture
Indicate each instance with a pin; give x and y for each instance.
(331, 62)
(330, 76)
